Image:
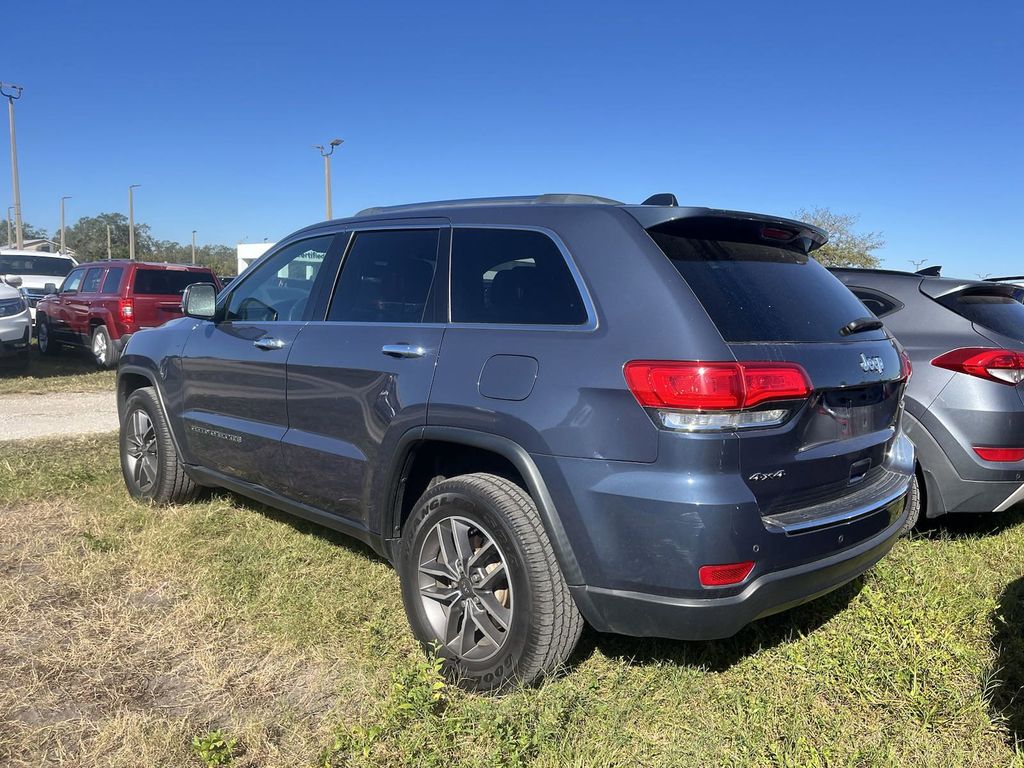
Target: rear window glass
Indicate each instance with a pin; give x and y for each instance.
(999, 312)
(756, 292)
(50, 266)
(167, 282)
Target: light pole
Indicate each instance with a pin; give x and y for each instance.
(131, 220)
(108, 241)
(326, 153)
(62, 247)
(193, 246)
(10, 237)
(13, 92)
(917, 263)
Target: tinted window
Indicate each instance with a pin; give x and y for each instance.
(1001, 311)
(755, 292)
(92, 280)
(50, 266)
(879, 304)
(514, 277)
(280, 287)
(386, 277)
(112, 282)
(167, 282)
(72, 281)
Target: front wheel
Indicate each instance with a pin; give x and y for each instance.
(149, 462)
(44, 336)
(481, 584)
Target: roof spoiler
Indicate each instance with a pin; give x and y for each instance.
(933, 271)
(809, 236)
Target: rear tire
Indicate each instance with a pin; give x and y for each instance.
(104, 351)
(149, 462)
(481, 584)
(913, 507)
(44, 336)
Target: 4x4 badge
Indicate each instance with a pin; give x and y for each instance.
(873, 363)
(758, 476)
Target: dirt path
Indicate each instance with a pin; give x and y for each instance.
(65, 413)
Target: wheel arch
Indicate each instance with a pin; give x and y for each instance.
(131, 377)
(494, 453)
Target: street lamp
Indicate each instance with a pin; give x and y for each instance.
(62, 248)
(917, 263)
(10, 237)
(13, 92)
(326, 153)
(131, 220)
(108, 241)
(193, 246)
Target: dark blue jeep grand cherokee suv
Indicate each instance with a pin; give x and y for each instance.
(662, 420)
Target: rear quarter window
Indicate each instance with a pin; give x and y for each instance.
(756, 292)
(112, 282)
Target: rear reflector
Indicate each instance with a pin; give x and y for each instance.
(1005, 366)
(723, 575)
(1000, 454)
(703, 386)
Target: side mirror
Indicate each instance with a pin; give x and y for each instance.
(50, 289)
(13, 280)
(200, 301)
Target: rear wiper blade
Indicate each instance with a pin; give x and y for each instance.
(861, 324)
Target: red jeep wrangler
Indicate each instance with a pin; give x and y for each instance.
(101, 304)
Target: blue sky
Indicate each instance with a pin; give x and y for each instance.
(910, 115)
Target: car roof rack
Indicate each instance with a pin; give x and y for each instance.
(473, 202)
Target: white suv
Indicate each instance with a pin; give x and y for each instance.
(15, 321)
(36, 269)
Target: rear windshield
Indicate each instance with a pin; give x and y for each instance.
(757, 292)
(1001, 312)
(167, 282)
(48, 266)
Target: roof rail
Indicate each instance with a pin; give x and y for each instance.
(472, 202)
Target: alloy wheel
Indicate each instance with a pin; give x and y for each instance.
(99, 348)
(465, 588)
(141, 450)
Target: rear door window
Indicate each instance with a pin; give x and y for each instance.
(1000, 311)
(756, 291)
(512, 277)
(167, 282)
(92, 280)
(386, 277)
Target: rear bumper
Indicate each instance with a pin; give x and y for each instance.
(946, 489)
(646, 615)
(641, 532)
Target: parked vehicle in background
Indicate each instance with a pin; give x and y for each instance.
(35, 269)
(100, 304)
(15, 320)
(965, 412)
(502, 397)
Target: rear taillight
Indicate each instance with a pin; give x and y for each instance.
(724, 575)
(906, 369)
(715, 396)
(127, 310)
(1000, 454)
(1002, 365)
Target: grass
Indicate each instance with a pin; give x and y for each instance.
(223, 630)
(71, 371)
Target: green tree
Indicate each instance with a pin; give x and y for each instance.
(87, 237)
(845, 247)
(28, 232)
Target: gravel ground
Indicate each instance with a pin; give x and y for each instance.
(61, 413)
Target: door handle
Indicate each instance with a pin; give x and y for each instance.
(403, 350)
(268, 344)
